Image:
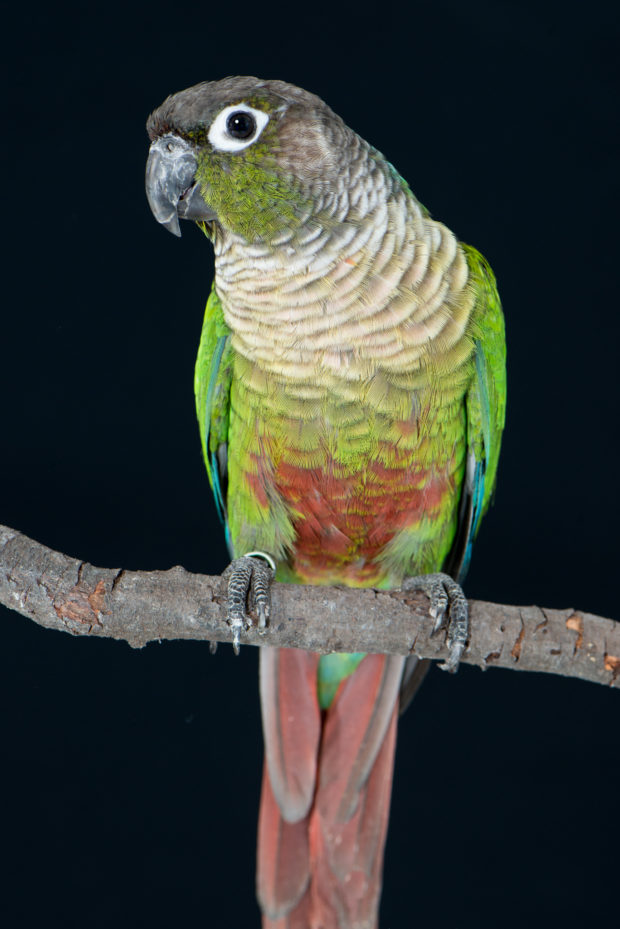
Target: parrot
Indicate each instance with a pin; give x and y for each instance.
(350, 390)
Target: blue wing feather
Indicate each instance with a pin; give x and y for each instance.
(213, 467)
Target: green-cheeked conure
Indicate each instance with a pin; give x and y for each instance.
(350, 389)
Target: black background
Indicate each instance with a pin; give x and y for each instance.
(131, 778)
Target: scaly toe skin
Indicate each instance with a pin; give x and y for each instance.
(458, 629)
(249, 582)
(447, 601)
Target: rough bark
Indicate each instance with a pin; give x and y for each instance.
(63, 593)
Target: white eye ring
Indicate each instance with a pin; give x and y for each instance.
(220, 138)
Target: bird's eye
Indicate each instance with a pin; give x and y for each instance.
(241, 124)
(236, 127)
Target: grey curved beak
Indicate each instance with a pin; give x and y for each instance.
(170, 183)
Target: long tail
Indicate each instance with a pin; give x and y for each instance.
(326, 792)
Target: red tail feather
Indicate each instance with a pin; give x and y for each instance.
(324, 870)
(284, 858)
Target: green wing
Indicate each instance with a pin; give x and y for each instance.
(485, 410)
(485, 405)
(212, 380)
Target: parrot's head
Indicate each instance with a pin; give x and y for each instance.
(250, 157)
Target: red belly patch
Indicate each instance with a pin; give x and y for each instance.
(343, 521)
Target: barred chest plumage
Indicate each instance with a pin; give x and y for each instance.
(365, 287)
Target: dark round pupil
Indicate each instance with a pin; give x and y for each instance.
(240, 125)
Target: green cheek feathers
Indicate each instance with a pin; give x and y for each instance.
(248, 194)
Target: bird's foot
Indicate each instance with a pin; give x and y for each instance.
(448, 607)
(249, 586)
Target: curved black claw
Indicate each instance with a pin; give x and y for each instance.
(249, 585)
(448, 602)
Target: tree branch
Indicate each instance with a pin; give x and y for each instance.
(63, 593)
